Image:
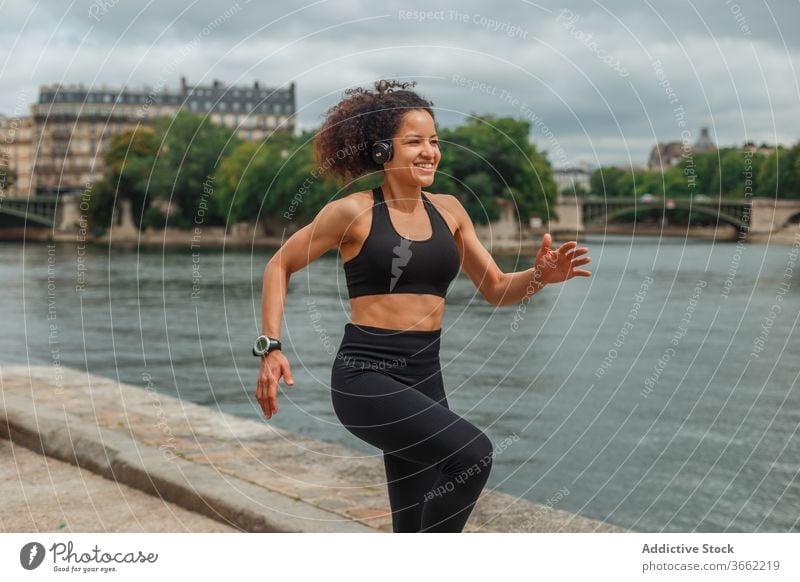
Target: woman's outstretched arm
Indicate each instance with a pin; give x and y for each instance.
(499, 288)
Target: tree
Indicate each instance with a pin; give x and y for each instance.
(274, 182)
(489, 158)
(604, 181)
(706, 171)
(186, 164)
(729, 179)
(101, 201)
(778, 173)
(129, 162)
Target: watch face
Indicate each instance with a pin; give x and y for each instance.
(262, 343)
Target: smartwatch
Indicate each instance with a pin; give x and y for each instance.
(265, 344)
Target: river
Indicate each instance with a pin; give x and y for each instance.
(660, 394)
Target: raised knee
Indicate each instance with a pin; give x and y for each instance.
(483, 450)
(474, 458)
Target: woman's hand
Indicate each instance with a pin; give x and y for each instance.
(273, 366)
(559, 265)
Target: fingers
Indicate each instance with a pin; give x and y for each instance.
(567, 246)
(267, 392)
(547, 240)
(272, 397)
(288, 379)
(582, 261)
(267, 388)
(577, 251)
(581, 273)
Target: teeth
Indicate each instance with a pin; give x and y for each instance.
(424, 165)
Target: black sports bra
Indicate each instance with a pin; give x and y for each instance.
(391, 263)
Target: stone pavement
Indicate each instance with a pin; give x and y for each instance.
(42, 494)
(247, 475)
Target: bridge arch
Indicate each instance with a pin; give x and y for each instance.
(647, 207)
(24, 217)
(793, 219)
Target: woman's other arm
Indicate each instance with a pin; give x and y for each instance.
(327, 231)
(499, 288)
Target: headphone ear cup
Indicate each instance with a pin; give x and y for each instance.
(381, 152)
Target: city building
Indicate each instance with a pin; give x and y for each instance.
(666, 155)
(573, 177)
(70, 126)
(762, 149)
(16, 156)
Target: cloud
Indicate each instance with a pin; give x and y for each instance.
(584, 69)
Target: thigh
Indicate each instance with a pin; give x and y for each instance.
(397, 418)
(431, 385)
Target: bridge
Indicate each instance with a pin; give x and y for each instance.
(54, 212)
(40, 211)
(748, 216)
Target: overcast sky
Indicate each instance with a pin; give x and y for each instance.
(600, 81)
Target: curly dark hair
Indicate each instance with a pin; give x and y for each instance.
(342, 146)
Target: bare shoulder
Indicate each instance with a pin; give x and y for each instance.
(450, 206)
(357, 201)
(344, 208)
(349, 210)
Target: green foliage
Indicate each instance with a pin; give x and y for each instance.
(728, 172)
(489, 158)
(779, 174)
(274, 182)
(153, 217)
(129, 160)
(101, 201)
(190, 161)
(604, 181)
(186, 163)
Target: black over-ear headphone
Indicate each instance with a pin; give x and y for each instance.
(381, 151)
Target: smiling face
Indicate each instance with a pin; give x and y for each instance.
(416, 150)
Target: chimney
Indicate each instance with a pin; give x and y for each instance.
(255, 85)
(183, 83)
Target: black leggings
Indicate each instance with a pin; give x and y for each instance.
(387, 389)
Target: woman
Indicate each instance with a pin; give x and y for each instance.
(401, 247)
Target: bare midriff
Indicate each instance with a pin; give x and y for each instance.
(402, 311)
